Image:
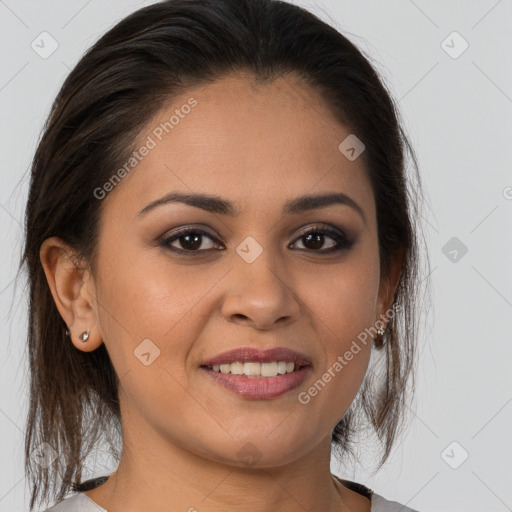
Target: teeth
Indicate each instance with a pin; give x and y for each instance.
(225, 368)
(255, 370)
(235, 368)
(269, 369)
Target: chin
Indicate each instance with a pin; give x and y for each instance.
(257, 451)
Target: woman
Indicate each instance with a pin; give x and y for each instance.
(223, 265)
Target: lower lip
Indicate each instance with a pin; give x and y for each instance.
(262, 388)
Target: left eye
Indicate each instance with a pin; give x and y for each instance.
(315, 238)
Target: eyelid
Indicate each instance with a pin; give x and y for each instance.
(306, 228)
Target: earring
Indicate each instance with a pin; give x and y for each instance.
(84, 336)
(67, 332)
(381, 331)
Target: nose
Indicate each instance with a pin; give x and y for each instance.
(260, 294)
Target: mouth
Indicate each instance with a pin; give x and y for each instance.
(256, 374)
(252, 362)
(255, 369)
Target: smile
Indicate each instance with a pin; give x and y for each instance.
(256, 369)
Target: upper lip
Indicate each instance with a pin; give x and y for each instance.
(252, 354)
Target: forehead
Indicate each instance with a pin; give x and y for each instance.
(246, 141)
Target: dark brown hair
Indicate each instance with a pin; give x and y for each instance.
(116, 88)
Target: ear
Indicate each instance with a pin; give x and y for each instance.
(389, 283)
(72, 288)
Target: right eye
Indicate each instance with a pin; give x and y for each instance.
(190, 239)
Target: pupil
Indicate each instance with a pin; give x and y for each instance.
(196, 243)
(316, 239)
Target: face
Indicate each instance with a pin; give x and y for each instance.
(248, 274)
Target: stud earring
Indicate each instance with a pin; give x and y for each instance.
(381, 331)
(67, 332)
(84, 336)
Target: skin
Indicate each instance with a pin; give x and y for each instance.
(257, 146)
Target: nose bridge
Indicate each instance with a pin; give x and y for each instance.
(260, 289)
(260, 264)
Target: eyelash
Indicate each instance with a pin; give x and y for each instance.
(342, 241)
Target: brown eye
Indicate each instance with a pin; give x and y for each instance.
(194, 241)
(315, 238)
(190, 240)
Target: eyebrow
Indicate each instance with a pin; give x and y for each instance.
(215, 204)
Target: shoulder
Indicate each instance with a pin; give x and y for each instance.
(381, 504)
(77, 503)
(378, 502)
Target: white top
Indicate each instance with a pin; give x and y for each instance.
(82, 503)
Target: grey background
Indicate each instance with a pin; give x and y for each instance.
(458, 113)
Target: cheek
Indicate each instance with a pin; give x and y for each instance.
(342, 314)
(343, 297)
(343, 301)
(146, 297)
